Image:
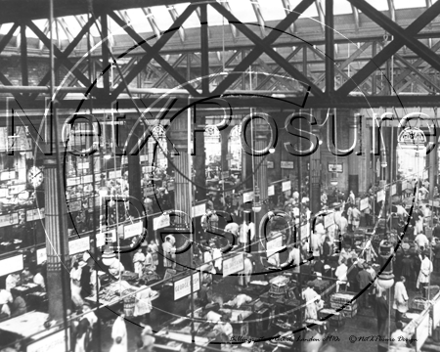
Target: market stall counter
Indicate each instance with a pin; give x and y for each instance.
(22, 326)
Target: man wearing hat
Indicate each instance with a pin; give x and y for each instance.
(364, 279)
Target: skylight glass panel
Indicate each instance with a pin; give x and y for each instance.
(310, 12)
(272, 11)
(407, 4)
(243, 10)
(380, 5)
(162, 16)
(192, 21)
(341, 7)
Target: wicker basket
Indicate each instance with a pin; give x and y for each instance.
(129, 302)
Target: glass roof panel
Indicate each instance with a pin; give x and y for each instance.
(341, 7)
(408, 4)
(310, 12)
(272, 11)
(192, 21)
(243, 10)
(380, 5)
(162, 16)
(215, 18)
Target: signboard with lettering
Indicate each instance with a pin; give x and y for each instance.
(41, 255)
(286, 186)
(17, 189)
(11, 265)
(8, 219)
(82, 166)
(34, 214)
(287, 164)
(114, 174)
(393, 189)
(73, 181)
(74, 206)
(198, 210)
(274, 245)
(335, 168)
(106, 236)
(87, 179)
(271, 190)
(248, 197)
(161, 222)
(132, 230)
(270, 164)
(380, 195)
(363, 204)
(79, 245)
(4, 192)
(182, 288)
(233, 265)
(52, 343)
(225, 174)
(7, 175)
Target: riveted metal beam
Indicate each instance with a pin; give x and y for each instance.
(405, 37)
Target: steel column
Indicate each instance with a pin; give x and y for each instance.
(204, 38)
(329, 48)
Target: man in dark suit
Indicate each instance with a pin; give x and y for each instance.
(364, 279)
(381, 312)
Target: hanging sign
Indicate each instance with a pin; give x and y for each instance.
(82, 166)
(393, 189)
(74, 206)
(7, 175)
(107, 236)
(52, 343)
(233, 265)
(11, 265)
(87, 179)
(248, 197)
(198, 210)
(274, 245)
(132, 230)
(8, 219)
(73, 181)
(225, 174)
(363, 204)
(270, 164)
(271, 190)
(17, 189)
(286, 186)
(114, 174)
(41, 255)
(161, 222)
(34, 214)
(380, 196)
(79, 245)
(287, 164)
(182, 288)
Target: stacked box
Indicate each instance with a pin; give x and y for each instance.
(418, 303)
(336, 319)
(338, 300)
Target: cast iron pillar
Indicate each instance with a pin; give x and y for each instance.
(353, 160)
(180, 137)
(58, 288)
